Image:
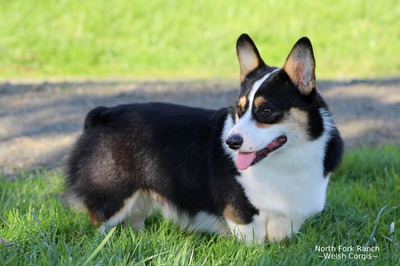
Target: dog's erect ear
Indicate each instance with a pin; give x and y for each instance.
(248, 55)
(300, 66)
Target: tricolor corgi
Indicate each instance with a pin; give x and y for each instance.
(256, 171)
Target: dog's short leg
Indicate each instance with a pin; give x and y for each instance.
(252, 232)
(140, 210)
(279, 228)
(135, 210)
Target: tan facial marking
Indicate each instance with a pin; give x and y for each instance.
(230, 214)
(259, 101)
(298, 116)
(242, 102)
(298, 120)
(262, 125)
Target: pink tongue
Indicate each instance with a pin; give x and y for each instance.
(244, 160)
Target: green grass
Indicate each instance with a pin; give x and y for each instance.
(170, 39)
(46, 232)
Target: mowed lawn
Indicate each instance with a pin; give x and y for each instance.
(362, 213)
(193, 39)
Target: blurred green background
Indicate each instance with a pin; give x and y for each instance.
(193, 39)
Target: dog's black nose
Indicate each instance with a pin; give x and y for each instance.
(234, 142)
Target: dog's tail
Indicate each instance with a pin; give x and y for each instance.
(95, 117)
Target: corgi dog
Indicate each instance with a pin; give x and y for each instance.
(256, 171)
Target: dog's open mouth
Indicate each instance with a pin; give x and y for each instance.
(246, 159)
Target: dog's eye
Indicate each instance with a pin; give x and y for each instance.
(265, 110)
(239, 109)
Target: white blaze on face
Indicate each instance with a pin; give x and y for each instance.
(254, 138)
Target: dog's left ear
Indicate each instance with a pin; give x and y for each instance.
(300, 66)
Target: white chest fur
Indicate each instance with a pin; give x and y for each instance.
(288, 183)
(287, 188)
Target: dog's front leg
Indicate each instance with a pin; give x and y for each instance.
(279, 228)
(253, 232)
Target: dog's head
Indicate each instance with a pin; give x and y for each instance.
(276, 108)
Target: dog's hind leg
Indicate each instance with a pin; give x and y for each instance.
(141, 209)
(135, 210)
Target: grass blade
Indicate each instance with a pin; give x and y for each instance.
(100, 246)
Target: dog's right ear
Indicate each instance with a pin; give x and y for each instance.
(248, 55)
(300, 66)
